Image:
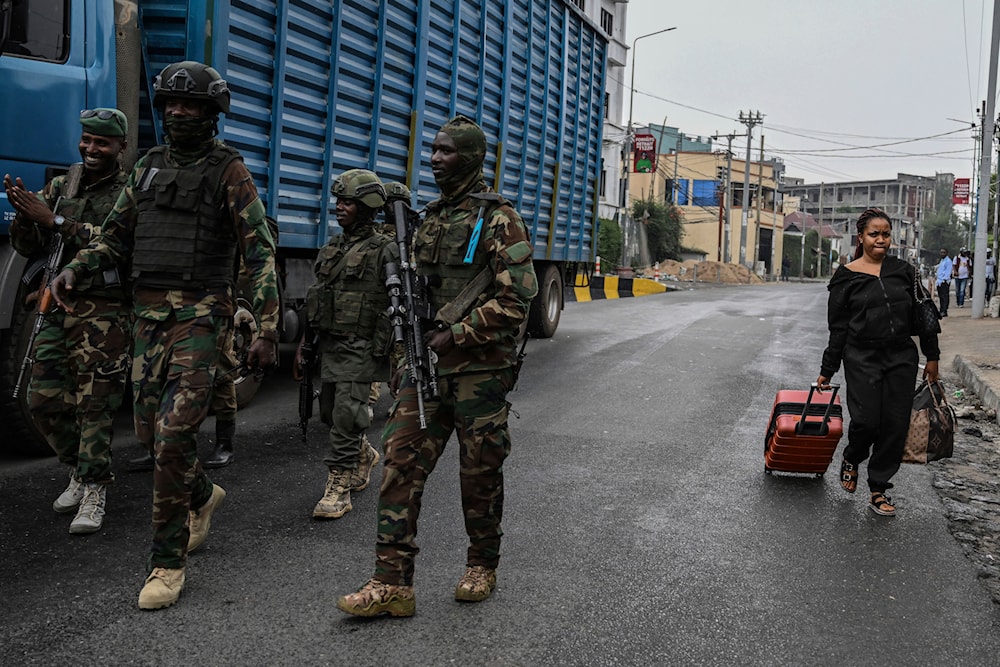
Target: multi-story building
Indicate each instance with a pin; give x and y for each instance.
(907, 199)
(610, 15)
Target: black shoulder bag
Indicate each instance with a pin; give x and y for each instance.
(926, 317)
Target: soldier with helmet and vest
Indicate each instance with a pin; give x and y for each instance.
(188, 213)
(81, 358)
(348, 307)
(468, 231)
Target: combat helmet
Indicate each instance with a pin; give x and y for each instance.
(191, 80)
(362, 185)
(396, 190)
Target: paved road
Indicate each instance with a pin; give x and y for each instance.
(641, 529)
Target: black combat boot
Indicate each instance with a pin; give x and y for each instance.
(223, 454)
(143, 463)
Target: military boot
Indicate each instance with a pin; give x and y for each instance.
(90, 517)
(376, 598)
(223, 454)
(163, 587)
(336, 500)
(367, 460)
(143, 463)
(476, 584)
(200, 520)
(69, 499)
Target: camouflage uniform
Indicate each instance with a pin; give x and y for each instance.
(178, 334)
(354, 334)
(474, 377)
(81, 360)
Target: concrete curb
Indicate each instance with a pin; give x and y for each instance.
(967, 371)
(613, 287)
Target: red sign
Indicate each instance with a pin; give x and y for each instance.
(960, 191)
(644, 152)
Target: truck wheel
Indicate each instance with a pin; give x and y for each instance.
(546, 307)
(20, 435)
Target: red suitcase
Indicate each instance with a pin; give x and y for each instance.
(803, 431)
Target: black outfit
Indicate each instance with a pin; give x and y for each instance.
(870, 320)
(943, 297)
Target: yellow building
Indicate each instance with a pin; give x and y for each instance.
(696, 182)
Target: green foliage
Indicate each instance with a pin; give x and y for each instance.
(793, 250)
(663, 228)
(942, 227)
(609, 244)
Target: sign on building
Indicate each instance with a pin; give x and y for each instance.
(645, 154)
(960, 191)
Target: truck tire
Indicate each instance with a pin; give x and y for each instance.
(20, 435)
(546, 307)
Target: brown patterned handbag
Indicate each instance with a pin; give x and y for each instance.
(932, 426)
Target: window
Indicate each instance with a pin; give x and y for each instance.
(607, 105)
(604, 182)
(682, 192)
(39, 29)
(580, 3)
(607, 21)
(705, 193)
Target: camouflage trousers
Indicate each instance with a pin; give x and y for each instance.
(475, 407)
(344, 408)
(77, 383)
(173, 372)
(224, 392)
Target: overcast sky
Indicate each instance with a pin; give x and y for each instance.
(826, 74)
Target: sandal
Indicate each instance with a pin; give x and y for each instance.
(882, 504)
(849, 476)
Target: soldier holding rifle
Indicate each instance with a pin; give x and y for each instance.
(467, 231)
(80, 358)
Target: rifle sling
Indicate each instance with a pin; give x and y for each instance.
(455, 310)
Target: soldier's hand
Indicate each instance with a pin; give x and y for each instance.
(27, 204)
(441, 342)
(62, 286)
(396, 380)
(298, 372)
(261, 355)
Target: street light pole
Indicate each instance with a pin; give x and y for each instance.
(628, 132)
(750, 120)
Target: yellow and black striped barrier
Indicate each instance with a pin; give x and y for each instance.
(614, 287)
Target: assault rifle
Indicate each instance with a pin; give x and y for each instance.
(306, 392)
(408, 309)
(52, 265)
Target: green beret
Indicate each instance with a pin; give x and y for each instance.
(104, 122)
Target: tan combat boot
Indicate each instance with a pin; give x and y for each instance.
(163, 587)
(366, 462)
(476, 584)
(200, 520)
(336, 500)
(90, 517)
(376, 598)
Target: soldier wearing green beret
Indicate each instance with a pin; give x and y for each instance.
(81, 357)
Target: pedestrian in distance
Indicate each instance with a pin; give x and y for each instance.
(469, 230)
(870, 314)
(991, 272)
(81, 357)
(942, 282)
(188, 210)
(786, 265)
(961, 270)
(348, 306)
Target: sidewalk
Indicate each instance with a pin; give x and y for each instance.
(970, 353)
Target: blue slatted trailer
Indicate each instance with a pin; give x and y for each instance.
(319, 87)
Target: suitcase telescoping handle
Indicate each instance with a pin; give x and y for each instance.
(823, 427)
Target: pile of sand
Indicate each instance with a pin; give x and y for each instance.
(704, 272)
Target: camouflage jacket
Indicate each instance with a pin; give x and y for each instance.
(245, 212)
(485, 339)
(84, 215)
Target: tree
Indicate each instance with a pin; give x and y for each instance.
(609, 243)
(663, 228)
(942, 227)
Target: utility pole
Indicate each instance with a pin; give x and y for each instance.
(750, 119)
(819, 234)
(677, 150)
(979, 260)
(802, 240)
(728, 197)
(760, 190)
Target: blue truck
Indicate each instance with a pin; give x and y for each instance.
(319, 87)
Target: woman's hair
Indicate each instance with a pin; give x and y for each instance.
(867, 216)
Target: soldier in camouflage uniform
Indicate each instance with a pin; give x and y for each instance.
(476, 358)
(348, 307)
(187, 211)
(81, 353)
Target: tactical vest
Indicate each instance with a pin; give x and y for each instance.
(441, 247)
(183, 238)
(350, 295)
